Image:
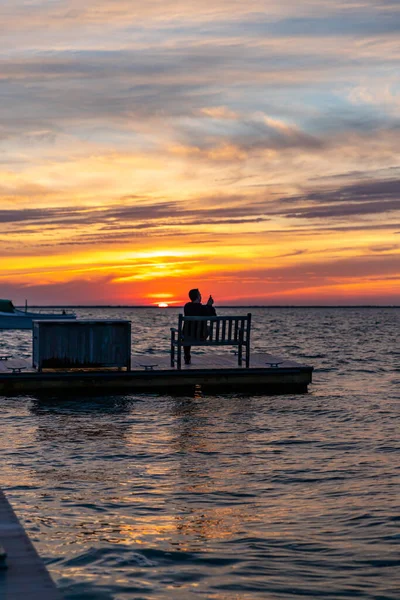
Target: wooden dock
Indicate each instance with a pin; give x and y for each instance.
(22, 572)
(267, 374)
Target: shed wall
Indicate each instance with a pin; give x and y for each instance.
(83, 343)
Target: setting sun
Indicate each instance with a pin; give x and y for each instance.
(162, 305)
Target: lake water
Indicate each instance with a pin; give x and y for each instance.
(221, 497)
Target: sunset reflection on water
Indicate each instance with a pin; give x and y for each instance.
(227, 496)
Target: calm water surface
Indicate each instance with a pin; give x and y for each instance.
(221, 497)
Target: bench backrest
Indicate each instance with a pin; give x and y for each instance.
(215, 331)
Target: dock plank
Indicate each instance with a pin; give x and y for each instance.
(162, 362)
(25, 575)
(213, 361)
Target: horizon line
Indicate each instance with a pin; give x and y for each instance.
(219, 306)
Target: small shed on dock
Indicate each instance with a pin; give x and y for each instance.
(85, 343)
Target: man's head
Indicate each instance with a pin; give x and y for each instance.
(195, 295)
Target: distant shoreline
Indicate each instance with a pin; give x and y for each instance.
(61, 306)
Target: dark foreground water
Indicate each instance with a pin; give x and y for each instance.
(221, 497)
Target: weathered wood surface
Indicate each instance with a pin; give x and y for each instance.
(151, 373)
(25, 576)
(93, 343)
(162, 362)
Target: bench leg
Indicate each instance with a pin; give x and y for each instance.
(240, 348)
(179, 361)
(172, 348)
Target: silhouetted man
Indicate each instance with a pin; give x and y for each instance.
(195, 308)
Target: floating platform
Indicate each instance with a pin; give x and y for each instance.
(22, 572)
(267, 374)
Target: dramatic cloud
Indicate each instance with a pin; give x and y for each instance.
(216, 138)
(374, 197)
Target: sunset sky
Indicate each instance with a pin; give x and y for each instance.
(251, 149)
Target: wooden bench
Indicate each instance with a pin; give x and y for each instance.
(211, 331)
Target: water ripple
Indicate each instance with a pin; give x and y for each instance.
(224, 497)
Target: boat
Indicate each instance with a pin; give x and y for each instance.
(14, 318)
